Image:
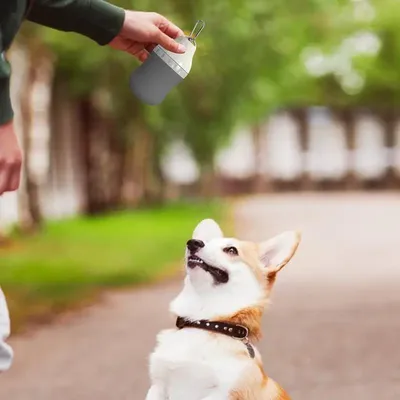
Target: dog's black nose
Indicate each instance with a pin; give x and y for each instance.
(193, 245)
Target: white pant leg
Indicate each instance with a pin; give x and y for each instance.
(6, 353)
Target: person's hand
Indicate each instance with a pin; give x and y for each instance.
(10, 159)
(142, 31)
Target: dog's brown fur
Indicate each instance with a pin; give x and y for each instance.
(256, 385)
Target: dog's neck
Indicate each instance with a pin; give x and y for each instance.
(242, 310)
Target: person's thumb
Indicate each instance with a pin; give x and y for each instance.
(169, 43)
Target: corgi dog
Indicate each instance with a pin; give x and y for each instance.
(211, 354)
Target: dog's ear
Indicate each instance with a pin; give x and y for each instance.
(206, 230)
(275, 253)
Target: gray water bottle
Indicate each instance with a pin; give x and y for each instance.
(163, 70)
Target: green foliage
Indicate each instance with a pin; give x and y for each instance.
(249, 61)
(382, 73)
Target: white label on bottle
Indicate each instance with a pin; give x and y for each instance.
(170, 62)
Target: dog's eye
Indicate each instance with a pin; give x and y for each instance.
(231, 250)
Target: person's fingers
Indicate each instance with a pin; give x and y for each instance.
(167, 26)
(10, 172)
(131, 47)
(143, 55)
(168, 43)
(15, 178)
(171, 30)
(4, 179)
(149, 48)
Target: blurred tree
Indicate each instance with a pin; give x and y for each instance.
(112, 121)
(36, 56)
(379, 68)
(361, 70)
(252, 58)
(277, 72)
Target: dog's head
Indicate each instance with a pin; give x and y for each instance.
(227, 275)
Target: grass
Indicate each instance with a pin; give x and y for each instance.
(70, 262)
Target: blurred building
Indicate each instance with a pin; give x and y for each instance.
(283, 158)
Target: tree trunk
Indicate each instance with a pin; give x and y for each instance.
(139, 164)
(144, 172)
(94, 149)
(116, 173)
(155, 182)
(86, 127)
(348, 120)
(300, 116)
(160, 180)
(129, 192)
(149, 180)
(388, 119)
(32, 219)
(208, 182)
(258, 178)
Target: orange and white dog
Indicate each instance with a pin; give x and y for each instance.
(211, 355)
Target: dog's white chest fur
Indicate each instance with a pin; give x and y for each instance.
(194, 364)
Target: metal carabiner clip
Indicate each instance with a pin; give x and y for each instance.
(198, 28)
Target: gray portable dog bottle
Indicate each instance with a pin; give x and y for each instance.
(164, 70)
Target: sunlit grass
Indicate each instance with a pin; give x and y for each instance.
(70, 261)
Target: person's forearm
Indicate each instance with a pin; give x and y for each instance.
(96, 19)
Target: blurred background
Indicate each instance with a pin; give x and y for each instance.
(291, 107)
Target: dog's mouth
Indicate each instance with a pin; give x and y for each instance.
(219, 275)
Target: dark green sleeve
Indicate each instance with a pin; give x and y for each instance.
(6, 111)
(11, 16)
(96, 19)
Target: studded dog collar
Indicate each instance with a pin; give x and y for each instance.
(234, 331)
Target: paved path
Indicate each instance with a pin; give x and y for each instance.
(332, 332)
